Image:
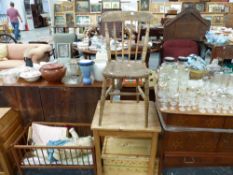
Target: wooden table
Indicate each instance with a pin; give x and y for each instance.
(195, 139)
(127, 122)
(43, 101)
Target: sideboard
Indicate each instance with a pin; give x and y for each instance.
(43, 101)
(54, 102)
(192, 138)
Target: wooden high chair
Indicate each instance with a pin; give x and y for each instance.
(126, 63)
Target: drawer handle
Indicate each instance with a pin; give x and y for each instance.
(189, 160)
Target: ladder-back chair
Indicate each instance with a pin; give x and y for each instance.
(126, 51)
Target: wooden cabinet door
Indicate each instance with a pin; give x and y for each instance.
(26, 100)
(69, 104)
(226, 140)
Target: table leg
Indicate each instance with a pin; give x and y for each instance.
(98, 152)
(152, 154)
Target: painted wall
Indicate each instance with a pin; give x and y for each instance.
(4, 5)
(19, 5)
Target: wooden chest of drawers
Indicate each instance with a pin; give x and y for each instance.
(10, 128)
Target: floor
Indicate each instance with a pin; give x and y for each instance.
(44, 34)
(174, 171)
(38, 34)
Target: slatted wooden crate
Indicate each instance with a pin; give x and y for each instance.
(126, 156)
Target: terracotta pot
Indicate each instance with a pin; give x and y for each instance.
(53, 72)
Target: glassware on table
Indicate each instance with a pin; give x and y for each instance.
(73, 72)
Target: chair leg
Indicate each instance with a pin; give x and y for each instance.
(146, 89)
(137, 91)
(114, 88)
(102, 100)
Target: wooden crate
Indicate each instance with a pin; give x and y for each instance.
(126, 155)
(10, 128)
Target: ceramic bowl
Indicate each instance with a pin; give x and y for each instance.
(53, 72)
(30, 76)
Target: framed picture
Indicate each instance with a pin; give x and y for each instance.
(95, 7)
(83, 20)
(82, 6)
(107, 4)
(217, 20)
(187, 5)
(98, 19)
(57, 8)
(144, 5)
(68, 6)
(200, 6)
(161, 9)
(63, 50)
(69, 19)
(216, 8)
(115, 4)
(227, 9)
(207, 17)
(59, 20)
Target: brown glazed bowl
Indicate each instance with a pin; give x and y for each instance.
(53, 72)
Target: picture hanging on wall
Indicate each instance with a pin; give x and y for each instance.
(107, 4)
(217, 8)
(59, 20)
(82, 6)
(69, 19)
(200, 6)
(68, 6)
(98, 19)
(187, 5)
(116, 4)
(83, 20)
(57, 8)
(95, 7)
(144, 5)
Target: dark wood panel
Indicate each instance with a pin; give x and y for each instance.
(194, 120)
(26, 100)
(177, 159)
(190, 141)
(226, 141)
(69, 104)
(188, 161)
(3, 100)
(29, 104)
(9, 94)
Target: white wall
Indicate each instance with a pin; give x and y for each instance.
(3, 7)
(19, 5)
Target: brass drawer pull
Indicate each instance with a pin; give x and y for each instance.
(189, 160)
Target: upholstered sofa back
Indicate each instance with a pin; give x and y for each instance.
(17, 51)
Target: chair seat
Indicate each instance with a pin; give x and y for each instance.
(126, 69)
